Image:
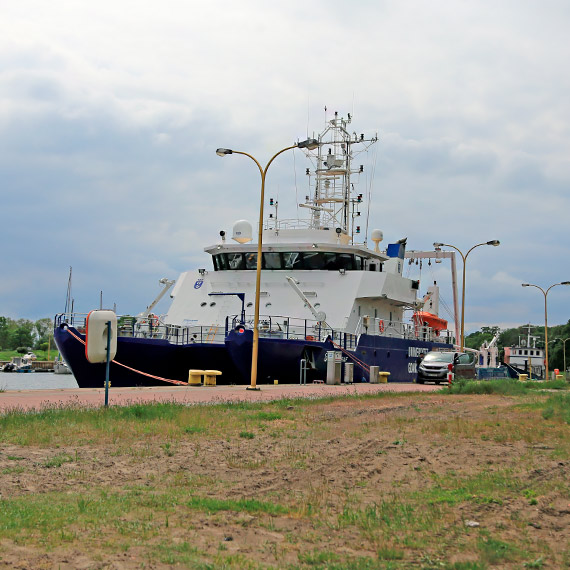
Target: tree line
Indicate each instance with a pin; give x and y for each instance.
(510, 337)
(23, 335)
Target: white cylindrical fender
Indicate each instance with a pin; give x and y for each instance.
(96, 336)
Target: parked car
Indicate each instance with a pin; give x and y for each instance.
(435, 366)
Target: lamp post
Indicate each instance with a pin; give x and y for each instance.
(545, 293)
(309, 144)
(437, 245)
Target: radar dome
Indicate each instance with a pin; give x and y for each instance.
(242, 231)
(377, 236)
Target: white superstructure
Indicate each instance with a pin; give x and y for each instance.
(314, 267)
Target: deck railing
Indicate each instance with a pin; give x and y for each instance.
(277, 327)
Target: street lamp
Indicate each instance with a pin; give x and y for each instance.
(545, 293)
(495, 243)
(309, 144)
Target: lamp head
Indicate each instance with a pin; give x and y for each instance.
(494, 242)
(565, 283)
(223, 151)
(437, 244)
(525, 284)
(309, 144)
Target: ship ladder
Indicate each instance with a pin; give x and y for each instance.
(210, 337)
(354, 359)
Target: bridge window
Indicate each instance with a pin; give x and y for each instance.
(272, 260)
(310, 260)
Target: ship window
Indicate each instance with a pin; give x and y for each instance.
(358, 263)
(272, 260)
(222, 261)
(314, 260)
(268, 304)
(526, 352)
(251, 260)
(235, 260)
(250, 304)
(212, 304)
(293, 260)
(203, 304)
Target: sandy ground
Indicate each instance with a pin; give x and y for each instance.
(363, 450)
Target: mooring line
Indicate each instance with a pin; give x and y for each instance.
(179, 382)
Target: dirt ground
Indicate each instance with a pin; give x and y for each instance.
(331, 458)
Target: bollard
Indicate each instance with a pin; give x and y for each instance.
(560, 377)
(523, 377)
(383, 377)
(210, 377)
(195, 377)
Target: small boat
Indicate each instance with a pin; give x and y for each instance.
(20, 364)
(60, 366)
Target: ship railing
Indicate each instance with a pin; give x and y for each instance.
(135, 327)
(398, 329)
(292, 328)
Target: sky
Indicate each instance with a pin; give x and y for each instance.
(110, 114)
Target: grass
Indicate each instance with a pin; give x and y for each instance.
(182, 500)
(507, 386)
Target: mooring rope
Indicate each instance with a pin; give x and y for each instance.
(179, 382)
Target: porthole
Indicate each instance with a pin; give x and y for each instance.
(268, 304)
(249, 304)
(212, 304)
(203, 304)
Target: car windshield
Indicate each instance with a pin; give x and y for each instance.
(439, 357)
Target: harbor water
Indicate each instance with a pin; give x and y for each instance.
(36, 381)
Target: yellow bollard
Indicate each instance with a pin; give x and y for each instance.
(210, 377)
(383, 377)
(523, 377)
(560, 377)
(275, 381)
(195, 377)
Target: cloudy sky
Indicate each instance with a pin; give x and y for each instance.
(110, 114)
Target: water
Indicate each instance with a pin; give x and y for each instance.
(36, 381)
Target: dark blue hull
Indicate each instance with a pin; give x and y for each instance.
(151, 360)
(148, 357)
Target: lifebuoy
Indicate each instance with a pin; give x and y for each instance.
(153, 320)
(381, 325)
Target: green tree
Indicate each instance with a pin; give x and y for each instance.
(43, 330)
(22, 334)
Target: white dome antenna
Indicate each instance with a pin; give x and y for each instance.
(377, 236)
(242, 231)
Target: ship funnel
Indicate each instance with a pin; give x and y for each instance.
(242, 231)
(377, 237)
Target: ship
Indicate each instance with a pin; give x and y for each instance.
(323, 287)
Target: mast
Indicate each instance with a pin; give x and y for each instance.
(334, 202)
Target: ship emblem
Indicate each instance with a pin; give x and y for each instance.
(198, 284)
